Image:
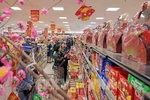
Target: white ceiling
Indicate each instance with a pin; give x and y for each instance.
(70, 7)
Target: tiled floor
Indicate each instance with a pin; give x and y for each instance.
(48, 69)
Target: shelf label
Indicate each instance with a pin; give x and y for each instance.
(138, 85)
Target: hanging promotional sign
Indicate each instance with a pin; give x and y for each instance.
(35, 16)
(46, 32)
(63, 32)
(52, 27)
(9, 30)
(59, 30)
(53, 33)
(84, 12)
(29, 27)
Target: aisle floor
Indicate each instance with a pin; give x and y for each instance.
(48, 69)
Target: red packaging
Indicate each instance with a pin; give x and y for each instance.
(103, 35)
(136, 44)
(114, 38)
(113, 80)
(124, 88)
(89, 37)
(138, 96)
(95, 38)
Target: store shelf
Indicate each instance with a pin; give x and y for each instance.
(91, 85)
(139, 70)
(101, 82)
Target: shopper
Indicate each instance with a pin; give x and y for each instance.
(59, 60)
(50, 52)
(68, 44)
(25, 87)
(65, 64)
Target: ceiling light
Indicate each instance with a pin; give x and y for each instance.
(12, 24)
(66, 25)
(99, 18)
(112, 9)
(58, 8)
(62, 17)
(41, 22)
(89, 25)
(93, 22)
(16, 8)
(7, 17)
(65, 22)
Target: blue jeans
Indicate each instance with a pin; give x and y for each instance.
(22, 96)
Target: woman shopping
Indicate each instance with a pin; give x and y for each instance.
(59, 60)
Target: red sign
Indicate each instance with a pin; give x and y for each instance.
(53, 26)
(63, 32)
(13, 96)
(58, 30)
(35, 16)
(84, 12)
(53, 33)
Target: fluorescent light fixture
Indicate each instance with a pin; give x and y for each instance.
(99, 18)
(7, 17)
(46, 24)
(66, 25)
(89, 25)
(93, 22)
(65, 22)
(58, 8)
(112, 9)
(12, 24)
(16, 8)
(62, 17)
(41, 22)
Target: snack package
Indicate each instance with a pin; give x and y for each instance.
(103, 36)
(113, 80)
(136, 42)
(114, 38)
(125, 90)
(138, 96)
(89, 36)
(103, 95)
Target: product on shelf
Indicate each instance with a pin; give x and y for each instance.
(95, 38)
(103, 36)
(89, 36)
(138, 33)
(125, 89)
(114, 38)
(139, 86)
(103, 94)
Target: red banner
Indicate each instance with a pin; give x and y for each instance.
(63, 32)
(53, 33)
(59, 30)
(35, 16)
(52, 27)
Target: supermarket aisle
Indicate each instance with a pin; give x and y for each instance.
(48, 69)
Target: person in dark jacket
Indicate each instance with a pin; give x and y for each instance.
(59, 59)
(65, 64)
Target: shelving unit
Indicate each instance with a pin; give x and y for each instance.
(101, 82)
(141, 71)
(41, 55)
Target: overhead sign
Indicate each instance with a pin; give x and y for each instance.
(35, 16)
